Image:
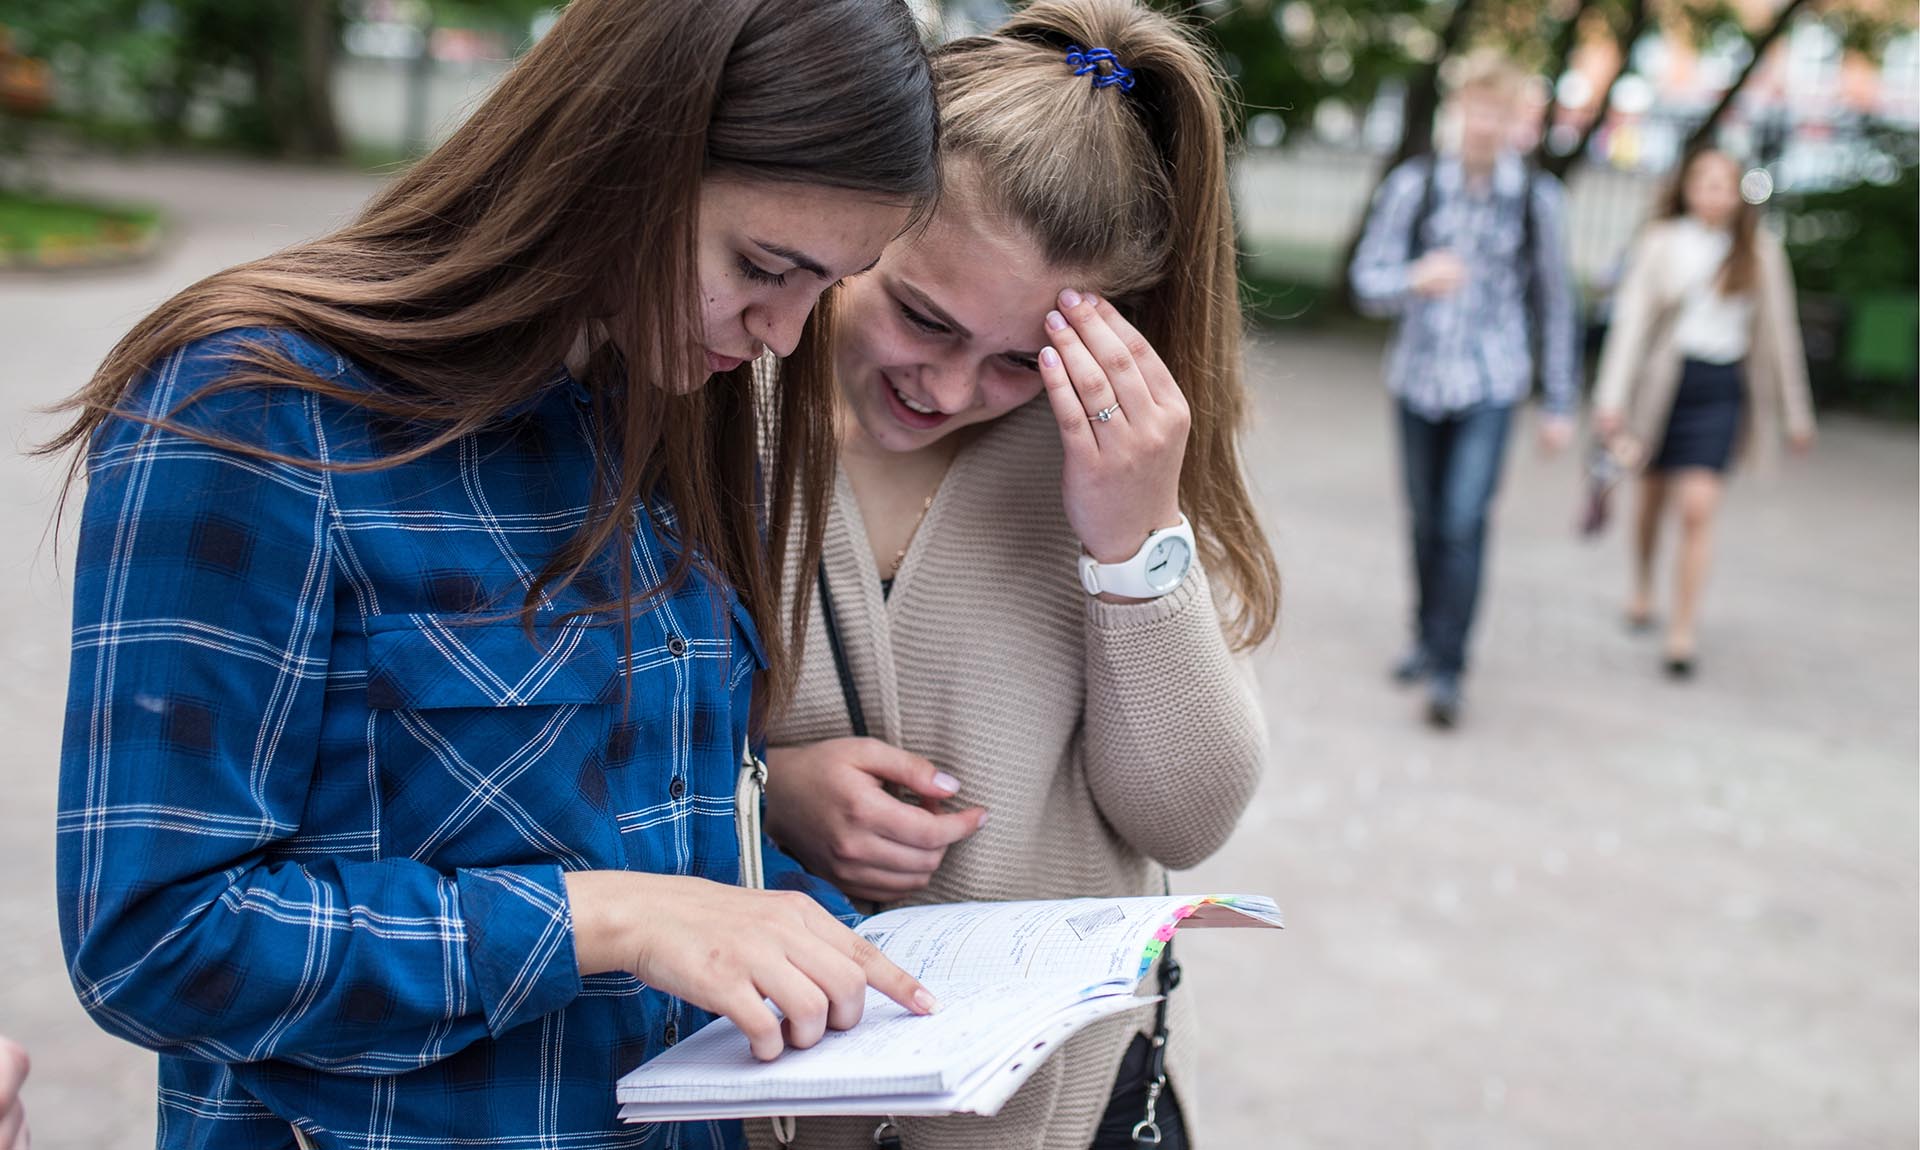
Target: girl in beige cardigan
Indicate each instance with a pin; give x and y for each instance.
(1049, 369)
(1703, 360)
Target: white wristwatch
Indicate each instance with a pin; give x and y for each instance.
(1155, 569)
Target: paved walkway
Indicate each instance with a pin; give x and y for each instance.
(1607, 912)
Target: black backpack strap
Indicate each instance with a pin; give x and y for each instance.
(1529, 219)
(1417, 234)
(1529, 267)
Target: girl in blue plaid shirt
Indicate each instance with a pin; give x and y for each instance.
(414, 641)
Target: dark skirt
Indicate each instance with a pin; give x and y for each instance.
(1705, 421)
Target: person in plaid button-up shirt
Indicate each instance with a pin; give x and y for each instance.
(382, 825)
(1467, 251)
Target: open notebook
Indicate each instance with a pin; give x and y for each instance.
(1014, 979)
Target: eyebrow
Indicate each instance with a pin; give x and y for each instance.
(801, 260)
(934, 310)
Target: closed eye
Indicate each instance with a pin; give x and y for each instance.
(1022, 362)
(760, 275)
(931, 327)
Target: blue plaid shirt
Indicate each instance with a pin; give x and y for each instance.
(1473, 346)
(316, 796)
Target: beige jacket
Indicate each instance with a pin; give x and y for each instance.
(1640, 366)
(1105, 740)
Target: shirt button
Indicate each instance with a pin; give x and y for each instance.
(671, 1035)
(676, 646)
(677, 788)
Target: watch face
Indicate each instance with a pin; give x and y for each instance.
(1167, 563)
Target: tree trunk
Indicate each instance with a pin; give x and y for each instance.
(1561, 52)
(170, 99)
(1625, 38)
(319, 29)
(276, 133)
(1765, 41)
(1423, 91)
(1416, 127)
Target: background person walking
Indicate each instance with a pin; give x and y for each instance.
(1468, 250)
(1703, 360)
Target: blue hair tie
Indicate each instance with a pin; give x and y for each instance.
(1087, 61)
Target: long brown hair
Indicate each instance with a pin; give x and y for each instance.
(1131, 186)
(567, 203)
(1737, 274)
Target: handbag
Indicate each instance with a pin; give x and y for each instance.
(1609, 462)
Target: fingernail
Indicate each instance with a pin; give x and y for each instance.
(1093, 300)
(1056, 321)
(925, 1001)
(946, 782)
(1049, 357)
(1069, 298)
(981, 821)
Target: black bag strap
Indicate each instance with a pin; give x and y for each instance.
(856, 717)
(1146, 1132)
(886, 1136)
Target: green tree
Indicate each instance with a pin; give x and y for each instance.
(1287, 57)
(511, 17)
(170, 52)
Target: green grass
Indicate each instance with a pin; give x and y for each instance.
(57, 228)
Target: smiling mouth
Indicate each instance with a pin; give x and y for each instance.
(911, 405)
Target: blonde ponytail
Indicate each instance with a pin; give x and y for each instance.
(1128, 185)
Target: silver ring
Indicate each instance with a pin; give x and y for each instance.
(1106, 414)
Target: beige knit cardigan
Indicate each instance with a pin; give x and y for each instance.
(1640, 366)
(1105, 740)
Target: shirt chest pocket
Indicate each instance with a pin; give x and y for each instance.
(490, 745)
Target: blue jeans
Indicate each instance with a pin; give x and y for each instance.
(1452, 468)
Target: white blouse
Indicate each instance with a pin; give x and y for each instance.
(1712, 327)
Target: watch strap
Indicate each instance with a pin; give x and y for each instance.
(1129, 577)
